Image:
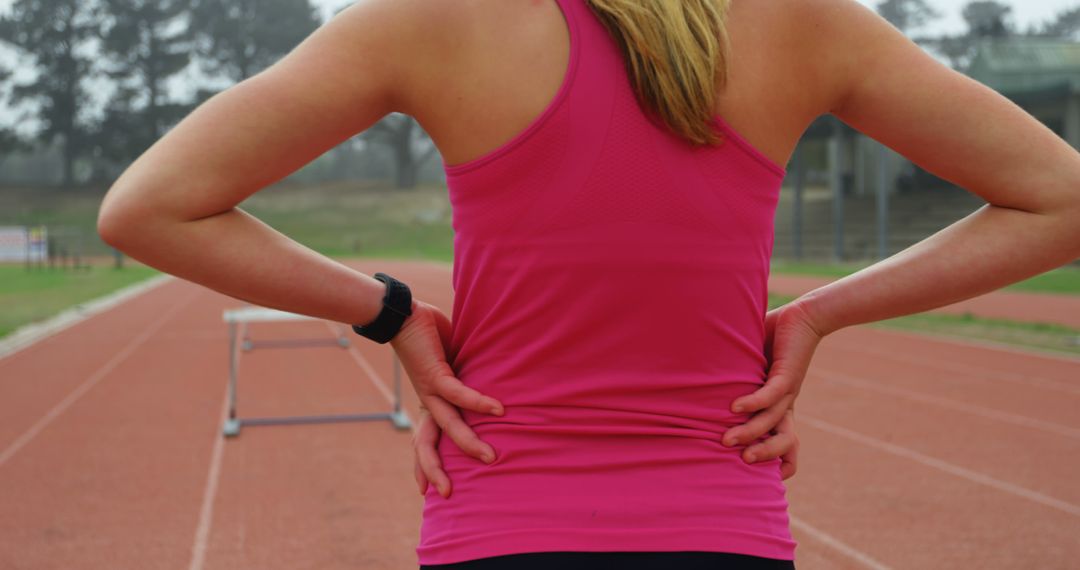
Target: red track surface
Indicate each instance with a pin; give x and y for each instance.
(916, 452)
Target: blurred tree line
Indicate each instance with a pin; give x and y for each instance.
(75, 49)
(983, 18)
(136, 51)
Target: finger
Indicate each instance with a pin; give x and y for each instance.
(427, 456)
(453, 390)
(775, 387)
(789, 460)
(777, 445)
(431, 465)
(787, 470)
(759, 424)
(449, 420)
(418, 473)
(445, 328)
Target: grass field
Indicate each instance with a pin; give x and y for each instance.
(350, 219)
(346, 220)
(1043, 336)
(1061, 281)
(28, 296)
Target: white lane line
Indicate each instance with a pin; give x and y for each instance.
(973, 409)
(206, 513)
(92, 381)
(973, 373)
(836, 544)
(945, 466)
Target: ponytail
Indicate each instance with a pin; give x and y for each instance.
(675, 53)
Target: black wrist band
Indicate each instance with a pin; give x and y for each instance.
(397, 306)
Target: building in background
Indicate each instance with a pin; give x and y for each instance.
(855, 199)
(1042, 75)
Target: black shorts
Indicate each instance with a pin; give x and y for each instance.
(682, 560)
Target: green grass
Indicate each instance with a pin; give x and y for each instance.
(346, 220)
(1062, 281)
(28, 296)
(338, 220)
(351, 219)
(833, 270)
(1043, 336)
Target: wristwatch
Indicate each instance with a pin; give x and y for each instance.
(397, 306)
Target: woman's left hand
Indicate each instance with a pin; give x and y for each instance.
(783, 443)
(791, 337)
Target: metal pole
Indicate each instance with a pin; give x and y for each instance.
(797, 209)
(836, 181)
(397, 383)
(882, 204)
(232, 370)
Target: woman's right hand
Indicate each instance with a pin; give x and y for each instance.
(427, 463)
(422, 346)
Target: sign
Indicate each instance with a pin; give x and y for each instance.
(23, 243)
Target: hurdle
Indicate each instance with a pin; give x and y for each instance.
(239, 340)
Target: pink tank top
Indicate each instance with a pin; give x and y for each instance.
(610, 291)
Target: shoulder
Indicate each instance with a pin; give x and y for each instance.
(413, 19)
(413, 40)
(823, 45)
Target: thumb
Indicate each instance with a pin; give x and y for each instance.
(445, 328)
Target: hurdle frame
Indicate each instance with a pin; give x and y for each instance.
(239, 340)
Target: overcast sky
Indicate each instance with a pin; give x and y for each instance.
(1025, 13)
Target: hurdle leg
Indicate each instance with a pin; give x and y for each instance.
(398, 416)
(232, 424)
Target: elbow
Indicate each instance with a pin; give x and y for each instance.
(108, 227)
(112, 226)
(126, 213)
(118, 221)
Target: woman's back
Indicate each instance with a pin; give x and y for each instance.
(506, 62)
(610, 291)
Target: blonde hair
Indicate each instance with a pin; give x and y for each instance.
(676, 52)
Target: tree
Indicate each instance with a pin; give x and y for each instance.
(409, 143)
(239, 38)
(52, 35)
(984, 18)
(10, 141)
(147, 42)
(958, 49)
(987, 18)
(1065, 25)
(907, 15)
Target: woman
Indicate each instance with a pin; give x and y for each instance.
(613, 166)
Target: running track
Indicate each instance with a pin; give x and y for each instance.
(916, 452)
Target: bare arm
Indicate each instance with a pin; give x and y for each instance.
(175, 208)
(885, 86)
